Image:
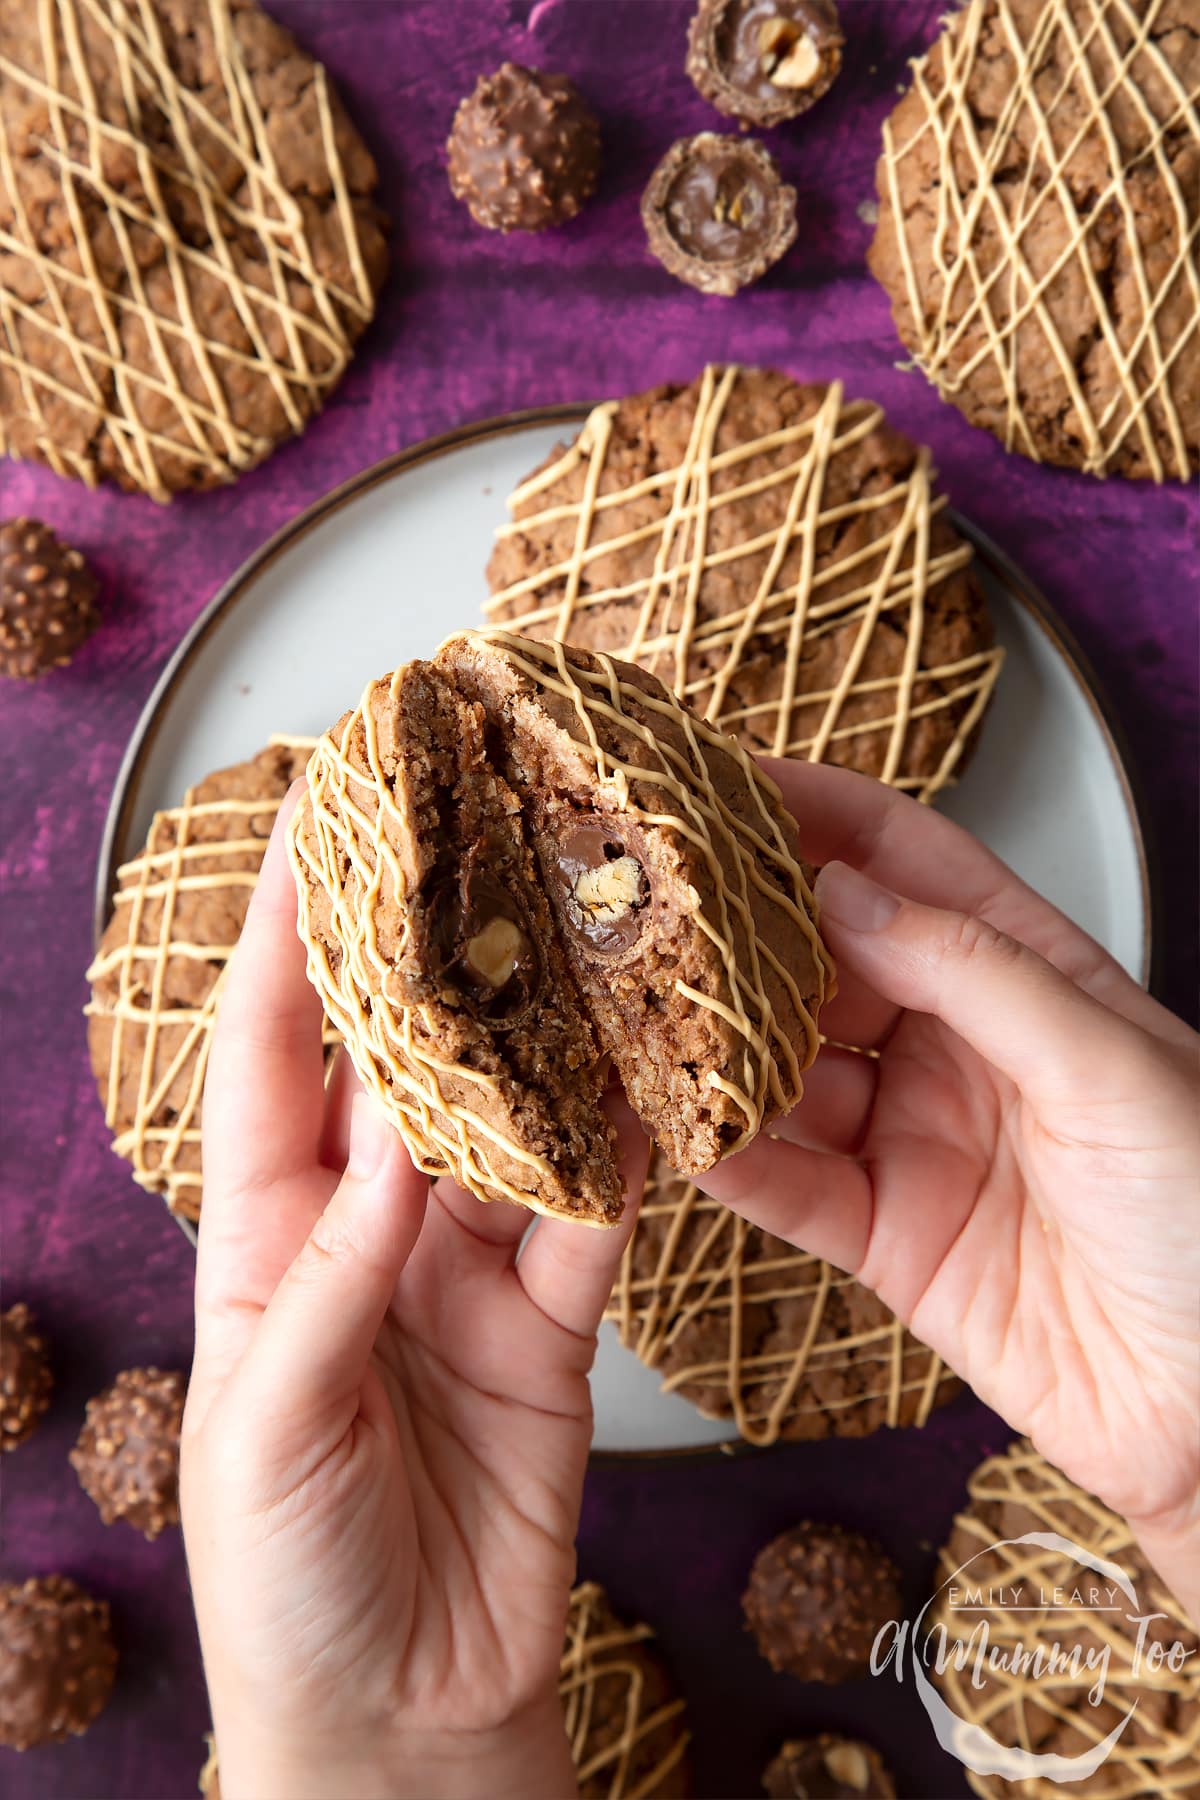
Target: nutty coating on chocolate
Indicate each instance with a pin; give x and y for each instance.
(57, 1660)
(524, 150)
(127, 1455)
(718, 213)
(763, 61)
(817, 1597)
(25, 1379)
(47, 600)
(828, 1768)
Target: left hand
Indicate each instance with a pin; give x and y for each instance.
(386, 1431)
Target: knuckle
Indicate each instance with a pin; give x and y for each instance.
(974, 940)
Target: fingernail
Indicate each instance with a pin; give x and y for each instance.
(853, 900)
(370, 1135)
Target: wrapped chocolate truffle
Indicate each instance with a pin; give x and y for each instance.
(718, 213)
(817, 1597)
(47, 599)
(57, 1661)
(764, 61)
(127, 1455)
(25, 1379)
(524, 150)
(828, 1768)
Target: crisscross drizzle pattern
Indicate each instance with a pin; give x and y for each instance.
(713, 1267)
(747, 666)
(343, 842)
(1055, 266)
(156, 1042)
(1159, 1752)
(651, 1738)
(170, 306)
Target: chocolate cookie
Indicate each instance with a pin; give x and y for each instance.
(1031, 1600)
(718, 213)
(626, 1727)
(524, 150)
(779, 556)
(828, 1768)
(26, 1382)
(520, 860)
(1039, 206)
(747, 1327)
(47, 599)
(127, 1454)
(763, 61)
(57, 1661)
(817, 1597)
(189, 248)
(158, 971)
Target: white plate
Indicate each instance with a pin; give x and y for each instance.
(387, 566)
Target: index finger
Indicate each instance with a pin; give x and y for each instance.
(847, 817)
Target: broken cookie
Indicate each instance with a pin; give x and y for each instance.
(519, 862)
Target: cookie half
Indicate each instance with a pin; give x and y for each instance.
(520, 861)
(777, 554)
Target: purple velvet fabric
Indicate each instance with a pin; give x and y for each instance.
(473, 324)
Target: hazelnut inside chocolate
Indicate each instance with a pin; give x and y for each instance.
(719, 208)
(482, 939)
(765, 45)
(604, 885)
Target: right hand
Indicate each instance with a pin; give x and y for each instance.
(1016, 1173)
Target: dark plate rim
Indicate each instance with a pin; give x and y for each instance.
(135, 761)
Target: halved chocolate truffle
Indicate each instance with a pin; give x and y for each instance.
(718, 213)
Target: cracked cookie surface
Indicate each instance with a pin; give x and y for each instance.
(189, 247)
(1039, 223)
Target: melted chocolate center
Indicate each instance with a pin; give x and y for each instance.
(459, 908)
(720, 207)
(611, 920)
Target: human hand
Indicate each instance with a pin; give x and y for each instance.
(1017, 1172)
(386, 1429)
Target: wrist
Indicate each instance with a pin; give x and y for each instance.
(525, 1758)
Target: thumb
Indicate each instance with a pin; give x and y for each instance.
(316, 1335)
(1008, 1003)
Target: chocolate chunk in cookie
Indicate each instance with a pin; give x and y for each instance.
(159, 967)
(828, 1768)
(531, 860)
(127, 1454)
(47, 599)
(718, 213)
(747, 1327)
(778, 555)
(57, 1661)
(26, 1382)
(1039, 210)
(1036, 1597)
(189, 245)
(817, 1598)
(626, 1726)
(524, 150)
(763, 61)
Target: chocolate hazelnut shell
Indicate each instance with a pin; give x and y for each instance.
(828, 1768)
(817, 1597)
(127, 1454)
(524, 150)
(47, 599)
(57, 1661)
(740, 86)
(776, 228)
(26, 1382)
